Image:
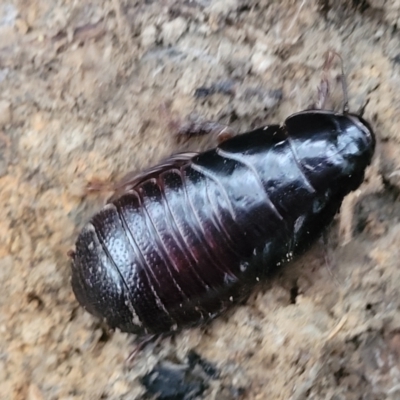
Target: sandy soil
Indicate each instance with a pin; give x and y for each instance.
(81, 85)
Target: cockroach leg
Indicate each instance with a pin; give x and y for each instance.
(144, 342)
(323, 94)
(225, 134)
(324, 86)
(71, 254)
(196, 126)
(97, 185)
(200, 127)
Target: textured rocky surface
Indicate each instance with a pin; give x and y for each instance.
(81, 85)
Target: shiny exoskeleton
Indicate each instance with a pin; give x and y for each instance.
(190, 237)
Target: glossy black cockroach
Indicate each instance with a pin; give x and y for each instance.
(185, 240)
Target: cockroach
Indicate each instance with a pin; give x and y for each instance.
(180, 243)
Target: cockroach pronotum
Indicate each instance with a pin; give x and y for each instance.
(183, 241)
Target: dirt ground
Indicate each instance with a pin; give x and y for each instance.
(82, 86)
